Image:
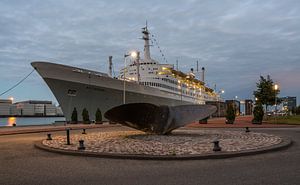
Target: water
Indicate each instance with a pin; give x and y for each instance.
(22, 121)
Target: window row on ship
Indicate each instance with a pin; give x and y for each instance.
(178, 90)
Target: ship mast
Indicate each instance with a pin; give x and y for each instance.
(146, 46)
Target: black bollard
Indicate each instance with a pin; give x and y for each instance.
(247, 129)
(216, 146)
(49, 137)
(81, 145)
(68, 136)
(83, 132)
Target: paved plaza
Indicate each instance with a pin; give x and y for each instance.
(182, 142)
(22, 163)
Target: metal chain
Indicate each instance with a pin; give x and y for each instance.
(152, 38)
(14, 86)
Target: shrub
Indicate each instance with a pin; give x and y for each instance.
(85, 116)
(258, 113)
(98, 116)
(230, 114)
(74, 117)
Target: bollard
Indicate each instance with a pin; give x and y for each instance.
(83, 132)
(49, 137)
(81, 145)
(216, 146)
(68, 136)
(247, 129)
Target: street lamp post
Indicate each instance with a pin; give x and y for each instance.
(239, 105)
(124, 79)
(276, 88)
(133, 54)
(138, 66)
(219, 103)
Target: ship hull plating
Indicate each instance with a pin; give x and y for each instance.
(80, 88)
(72, 95)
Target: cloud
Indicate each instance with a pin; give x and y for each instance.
(236, 41)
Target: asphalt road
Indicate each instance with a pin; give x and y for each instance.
(21, 164)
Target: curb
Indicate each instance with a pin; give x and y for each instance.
(40, 130)
(217, 155)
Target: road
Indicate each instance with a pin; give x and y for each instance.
(22, 164)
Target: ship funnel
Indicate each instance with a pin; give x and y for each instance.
(110, 65)
(203, 71)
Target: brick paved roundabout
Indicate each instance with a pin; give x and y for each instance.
(181, 144)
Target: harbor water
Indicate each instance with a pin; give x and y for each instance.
(23, 121)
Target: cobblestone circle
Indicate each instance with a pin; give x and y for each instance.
(181, 142)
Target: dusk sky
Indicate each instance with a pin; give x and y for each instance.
(236, 41)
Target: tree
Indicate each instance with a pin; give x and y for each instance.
(265, 93)
(74, 117)
(98, 116)
(297, 110)
(85, 116)
(230, 114)
(258, 113)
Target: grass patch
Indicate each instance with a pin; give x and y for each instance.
(294, 120)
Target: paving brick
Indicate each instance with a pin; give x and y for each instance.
(181, 142)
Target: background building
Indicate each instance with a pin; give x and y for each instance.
(289, 103)
(29, 108)
(5, 107)
(33, 108)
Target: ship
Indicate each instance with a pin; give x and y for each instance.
(139, 81)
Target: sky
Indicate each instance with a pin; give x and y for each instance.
(235, 40)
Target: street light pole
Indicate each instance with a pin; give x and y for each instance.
(275, 88)
(134, 54)
(124, 79)
(138, 66)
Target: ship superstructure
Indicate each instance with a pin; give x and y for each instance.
(140, 81)
(179, 85)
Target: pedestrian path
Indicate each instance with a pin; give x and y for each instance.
(240, 122)
(49, 128)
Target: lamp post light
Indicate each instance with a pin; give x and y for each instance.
(11, 99)
(137, 56)
(124, 78)
(133, 54)
(276, 87)
(239, 105)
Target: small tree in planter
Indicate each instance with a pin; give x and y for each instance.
(258, 113)
(74, 117)
(85, 116)
(98, 116)
(230, 114)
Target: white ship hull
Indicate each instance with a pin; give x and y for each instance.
(79, 88)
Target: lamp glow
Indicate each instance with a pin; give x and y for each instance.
(133, 54)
